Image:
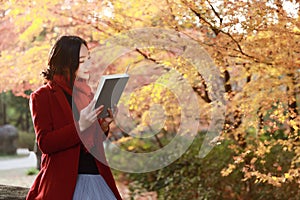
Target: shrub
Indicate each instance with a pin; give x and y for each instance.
(26, 140)
(191, 177)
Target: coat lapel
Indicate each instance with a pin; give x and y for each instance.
(62, 100)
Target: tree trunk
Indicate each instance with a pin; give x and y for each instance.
(27, 117)
(292, 103)
(1, 109)
(4, 113)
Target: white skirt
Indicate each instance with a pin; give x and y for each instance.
(92, 187)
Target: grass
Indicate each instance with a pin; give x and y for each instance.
(32, 171)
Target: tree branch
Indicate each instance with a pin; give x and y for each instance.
(216, 13)
(217, 30)
(146, 56)
(173, 16)
(203, 93)
(213, 28)
(81, 20)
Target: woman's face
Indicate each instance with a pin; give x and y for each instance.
(84, 65)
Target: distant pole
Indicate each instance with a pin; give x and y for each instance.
(2, 108)
(1, 113)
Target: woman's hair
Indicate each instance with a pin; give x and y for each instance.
(64, 58)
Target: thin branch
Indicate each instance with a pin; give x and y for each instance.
(217, 30)
(172, 14)
(213, 28)
(146, 56)
(216, 13)
(204, 95)
(81, 20)
(160, 145)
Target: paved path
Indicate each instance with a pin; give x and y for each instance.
(16, 177)
(13, 171)
(28, 161)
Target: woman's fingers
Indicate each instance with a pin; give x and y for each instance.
(99, 110)
(96, 111)
(110, 113)
(89, 115)
(92, 104)
(110, 118)
(92, 116)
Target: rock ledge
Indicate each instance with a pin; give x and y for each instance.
(8, 192)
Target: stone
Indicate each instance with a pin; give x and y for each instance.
(8, 139)
(8, 192)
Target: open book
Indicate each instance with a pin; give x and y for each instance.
(109, 91)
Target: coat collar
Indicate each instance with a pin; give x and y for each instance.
(58, 92)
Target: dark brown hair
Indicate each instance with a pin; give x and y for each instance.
(64, 57)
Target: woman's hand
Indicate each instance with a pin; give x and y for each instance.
(105, 122)
(88, 115)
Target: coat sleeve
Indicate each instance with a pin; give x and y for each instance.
(49, 140)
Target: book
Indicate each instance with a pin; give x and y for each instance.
(109, 91)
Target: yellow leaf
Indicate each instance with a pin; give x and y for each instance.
(124, 139)
(130, 148)
(296, 29)
(287, 175)
(33, 30)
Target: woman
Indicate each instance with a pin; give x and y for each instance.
(62, 119)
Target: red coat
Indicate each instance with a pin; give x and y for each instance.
(59, 142)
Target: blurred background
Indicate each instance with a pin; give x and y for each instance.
(254, 45)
